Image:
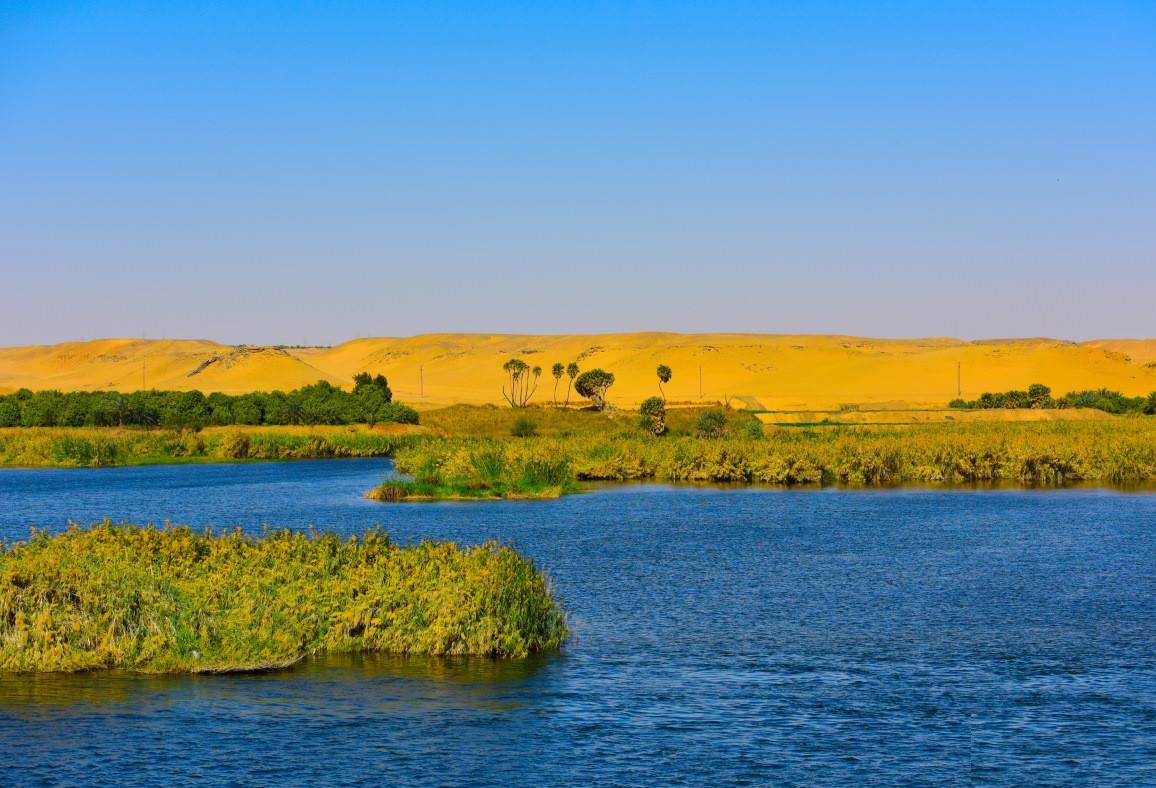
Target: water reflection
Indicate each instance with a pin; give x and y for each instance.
(352, 682)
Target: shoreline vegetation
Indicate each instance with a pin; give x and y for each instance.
(1031, 455)
(95, 447)
(171, 600)
(486, 452)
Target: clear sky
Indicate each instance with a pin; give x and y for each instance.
(311, 172)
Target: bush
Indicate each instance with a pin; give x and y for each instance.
(753, 430)
(653, 412)
(712, 424)
(524, 427)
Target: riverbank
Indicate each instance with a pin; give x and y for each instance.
(88, 447)
(176, 601)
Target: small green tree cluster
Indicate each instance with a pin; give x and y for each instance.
(522, 382)
(557, 371)
(1040, 396)
(370, 402)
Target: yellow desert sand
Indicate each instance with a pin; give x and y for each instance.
(774, 372)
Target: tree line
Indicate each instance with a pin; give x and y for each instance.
(370, 402)
(1038, 395)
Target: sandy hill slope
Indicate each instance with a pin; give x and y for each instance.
(759, 371)
(130, 364)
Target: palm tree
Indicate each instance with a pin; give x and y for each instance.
(663, 377)
(519, 374)
(558, 370)
(571, 372)
(515, 370)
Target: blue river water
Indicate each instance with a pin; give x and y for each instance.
(721, 637)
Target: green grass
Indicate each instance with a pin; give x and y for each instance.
(172, 600)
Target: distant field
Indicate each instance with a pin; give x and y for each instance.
(753, 371)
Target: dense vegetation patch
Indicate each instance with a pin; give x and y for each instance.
(476, 470)
(1052, 453)
(370, 402)
(172, 600)
(1038, 395)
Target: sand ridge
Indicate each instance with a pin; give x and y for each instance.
(762, 371)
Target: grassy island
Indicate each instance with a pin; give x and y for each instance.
(173, 600)
(476, 470)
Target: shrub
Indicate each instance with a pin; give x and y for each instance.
(653, 412)
(235, 446)
(524, 427)
(753, 430)
(712, 424)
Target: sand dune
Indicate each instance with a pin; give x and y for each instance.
(761, 371)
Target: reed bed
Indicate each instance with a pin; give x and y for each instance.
(463, 470)
(1120, 451)
(173, 600)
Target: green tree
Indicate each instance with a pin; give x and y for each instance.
(593, 385)
(363, 383)
(663, 377)
(9, 412)
(521, 381)
(571, 372)
(558, 370)
(1040, 396)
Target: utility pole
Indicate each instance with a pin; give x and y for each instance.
(143, 376)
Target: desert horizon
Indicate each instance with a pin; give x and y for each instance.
(753, 371)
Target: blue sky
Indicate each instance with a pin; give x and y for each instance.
(310, 172)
